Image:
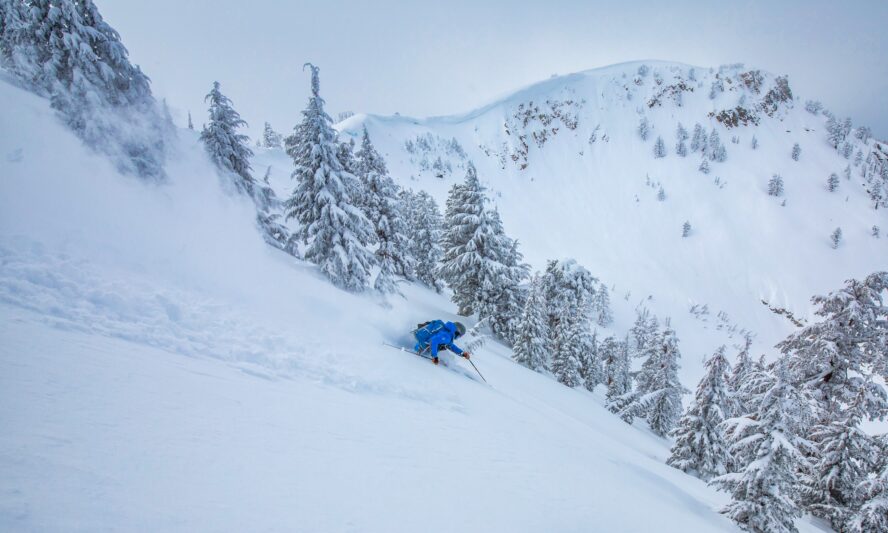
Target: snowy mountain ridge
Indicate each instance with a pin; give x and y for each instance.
(572, 177)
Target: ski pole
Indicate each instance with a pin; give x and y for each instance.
(476, 370)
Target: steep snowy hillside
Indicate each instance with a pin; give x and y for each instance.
(162, 369)
(572, 177)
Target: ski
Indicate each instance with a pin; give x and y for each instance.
(424, 356)
(403, 349)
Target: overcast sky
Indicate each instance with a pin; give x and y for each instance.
(432, 58)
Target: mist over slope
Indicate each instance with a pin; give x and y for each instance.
(572, 177)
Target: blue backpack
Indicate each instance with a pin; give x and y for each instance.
(427, 330)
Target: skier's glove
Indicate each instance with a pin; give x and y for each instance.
(466, 355)
(435, 360)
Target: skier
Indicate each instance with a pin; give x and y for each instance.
(437, 335)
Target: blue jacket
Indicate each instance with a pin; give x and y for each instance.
(434, 335)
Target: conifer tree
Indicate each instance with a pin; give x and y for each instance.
(704, 166)
(837, 358)
(700, 445)
(836, 237)
(716, 150)
(796, 152)
(681, 135)
(873, 513)
(739, 375)
(532, 341)
(664, 390)
(764, 493)
(844, 456)
(644, 128)
(335, 230)
(775, 185)
(501, 298)
(615, 356)
(600, 305)
(686, 229)
(591, 368)
(462, 218)
(644, 333)
(380, 204)
(226, 147)
(659, 148)
(698, 140)
(271, 138)
(190, 123)
(832, 184)
(754, 143)
(423, 236)
(481, 264)
(567, 351)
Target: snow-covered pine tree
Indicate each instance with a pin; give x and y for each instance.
(681, 135)
(835, 133)
(644, 333)
(600, 305)
(568, 351)
(839, 356)
(227, 148)
(531, 347)
(271, 138)
(764, 493)
(661, 195)
(775, 185)
(704, 166)
(190, 122)
(836, 237)
(796, 151)
(700, 446)
(644, 128)
(423, 236)
(876, 231)
(615, 356)
(873, 513)
(591, 368)
(844, 456)
(381, 205)
(832, 183)
(65, 50)
(501, 298)
(686, 229)
(663, 393)
(657, 395)
(754, 143)
(336, 231)
(712, 144)
(739, 375)
(698, 140)
(659, 148)
(481, 264)
(463, 215)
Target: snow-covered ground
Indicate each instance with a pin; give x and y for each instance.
(162, 369)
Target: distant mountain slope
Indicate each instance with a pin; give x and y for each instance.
(571, 176)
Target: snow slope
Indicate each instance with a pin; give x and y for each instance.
(597, 201)
(162, 369)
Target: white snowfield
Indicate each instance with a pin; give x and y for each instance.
(162, 369)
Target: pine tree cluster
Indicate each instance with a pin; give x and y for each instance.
(785, 438)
